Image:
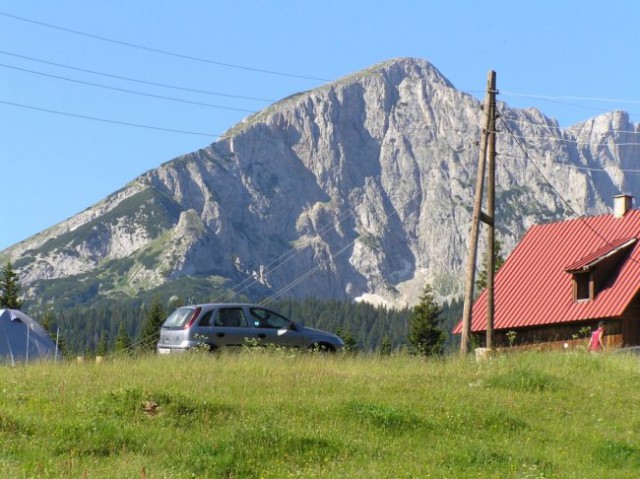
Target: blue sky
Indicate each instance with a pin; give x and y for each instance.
(556, 56)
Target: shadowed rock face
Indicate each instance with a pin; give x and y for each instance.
(362, 188)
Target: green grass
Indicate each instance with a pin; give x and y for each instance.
(275, 414)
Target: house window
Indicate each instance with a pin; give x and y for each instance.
(598, 269)
(582, 285)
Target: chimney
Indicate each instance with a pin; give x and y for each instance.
(621, 204)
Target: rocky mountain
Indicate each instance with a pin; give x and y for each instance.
(362, 189)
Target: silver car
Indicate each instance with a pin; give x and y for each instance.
(220, 325)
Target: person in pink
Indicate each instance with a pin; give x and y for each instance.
(596, 343)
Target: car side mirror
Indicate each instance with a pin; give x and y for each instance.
(293, 326)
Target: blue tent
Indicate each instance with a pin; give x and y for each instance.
(22, 339)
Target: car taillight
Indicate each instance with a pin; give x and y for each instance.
(195, 314)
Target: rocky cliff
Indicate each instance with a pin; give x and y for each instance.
(361, 189)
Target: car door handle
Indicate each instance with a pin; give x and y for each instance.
(262, 335)
(220, 335)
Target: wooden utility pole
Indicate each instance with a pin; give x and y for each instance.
(489, 218)
(478, 215)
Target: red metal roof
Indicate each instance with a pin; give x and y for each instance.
(533, 286)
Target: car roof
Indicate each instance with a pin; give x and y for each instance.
(237, 305)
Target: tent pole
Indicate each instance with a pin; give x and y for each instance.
(6, 337)
(57, 338)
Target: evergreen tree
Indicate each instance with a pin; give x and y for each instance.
(50, 325)
(350, 343)
(451, 315)
(425, 335)
(150, 334)
(9, 288)
(123, 341)
(103, 345)
(385, 347)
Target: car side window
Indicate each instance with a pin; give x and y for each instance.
(230, 318)
(206, 319)
(263, 318)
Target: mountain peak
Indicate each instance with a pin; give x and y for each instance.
(397, 69)
(606, 124)
(392, 73)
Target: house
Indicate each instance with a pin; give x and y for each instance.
(565, 277)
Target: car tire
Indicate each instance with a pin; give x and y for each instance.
(322, 348)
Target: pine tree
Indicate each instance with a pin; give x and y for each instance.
(103, 346)
(123, 341)
(150, 333)
(9, 288)
(385, 347)
(425, 335)
(50, 325)
(350, 343)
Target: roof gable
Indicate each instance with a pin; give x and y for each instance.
(608, 251)
(533, 288)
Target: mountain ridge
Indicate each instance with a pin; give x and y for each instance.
(360, 189)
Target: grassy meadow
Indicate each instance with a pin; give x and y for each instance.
(277, 414)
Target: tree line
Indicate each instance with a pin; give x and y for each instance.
(125, 326)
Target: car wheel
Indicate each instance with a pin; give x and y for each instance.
(322, 348)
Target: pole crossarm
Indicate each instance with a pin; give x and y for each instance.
(486, 219)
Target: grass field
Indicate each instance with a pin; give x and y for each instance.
(277, 414)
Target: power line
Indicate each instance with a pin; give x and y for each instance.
(160, 51)
(579, 106)
(602, 170)
(555, 190)
(570, 98)
(532, 123)
(442, 141)
(292, 252)
(145, 82)
(576, 141)
(105, 120)
(579, 167)
(279, 262)
(580, 218)
(560, 128)
(322, 264)
(565, 139)
(568, 140)
(124, 90)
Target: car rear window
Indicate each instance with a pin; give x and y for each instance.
(178, 318)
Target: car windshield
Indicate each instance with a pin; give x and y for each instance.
(178, 318)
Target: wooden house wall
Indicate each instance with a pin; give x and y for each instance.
(631, 324)
(619, 332)
(556, 335)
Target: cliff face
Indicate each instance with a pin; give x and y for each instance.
(362, 188)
